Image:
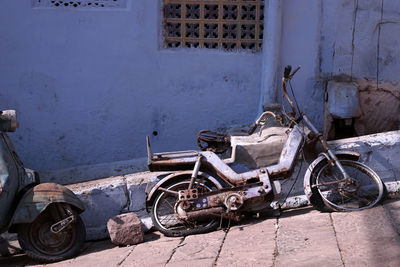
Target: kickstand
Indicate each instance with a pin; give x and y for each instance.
(229, 224)
(277, 211)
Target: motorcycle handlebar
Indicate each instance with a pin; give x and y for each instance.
(288, 69)
(286, 77)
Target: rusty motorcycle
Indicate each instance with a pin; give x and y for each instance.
(202, 188)
(45, 216)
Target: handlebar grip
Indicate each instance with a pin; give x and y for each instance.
(252, 129)
(287, 71)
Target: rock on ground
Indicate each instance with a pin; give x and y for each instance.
(125, 229)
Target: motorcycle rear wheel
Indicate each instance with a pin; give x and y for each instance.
(166, 221)
(331, 194)
(40, 244)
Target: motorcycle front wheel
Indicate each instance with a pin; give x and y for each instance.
(41, 244)
(167, 222)
(332, 192)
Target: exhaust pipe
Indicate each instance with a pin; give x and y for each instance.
(205, 214)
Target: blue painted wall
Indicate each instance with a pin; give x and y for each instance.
(88, 86)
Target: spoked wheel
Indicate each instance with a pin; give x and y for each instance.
(330, 190)
(165, 219)
(41, 244)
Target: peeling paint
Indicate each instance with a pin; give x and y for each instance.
(379, 107)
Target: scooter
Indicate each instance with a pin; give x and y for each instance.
(203, 188)
(45, 216)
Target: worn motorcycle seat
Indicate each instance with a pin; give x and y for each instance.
(259, 150)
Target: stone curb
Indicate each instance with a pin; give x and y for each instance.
(109, 197)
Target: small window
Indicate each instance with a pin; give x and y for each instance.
(213, 24)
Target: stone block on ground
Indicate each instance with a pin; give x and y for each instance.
(125, 229)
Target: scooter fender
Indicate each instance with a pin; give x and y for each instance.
(349, 155)
(176, 175)
(36, 200)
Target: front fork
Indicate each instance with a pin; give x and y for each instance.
(330, 156)
(195, 171)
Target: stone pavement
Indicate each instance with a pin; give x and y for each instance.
(302, 237)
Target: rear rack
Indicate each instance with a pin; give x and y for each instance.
(185, 152)
(159, 161)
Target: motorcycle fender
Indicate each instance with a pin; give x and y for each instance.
(166, 180)
(36, 200)
(350, 155)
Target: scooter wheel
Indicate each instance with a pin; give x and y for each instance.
(44, 246)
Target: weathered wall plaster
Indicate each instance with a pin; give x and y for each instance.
(359, 44)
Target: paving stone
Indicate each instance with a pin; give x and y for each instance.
(125, 229)
(155, 252)
(392, 207)
(367, 238)
(198, 248)
(98, 254)
(251, 244)
(193, 263)
(306, 238)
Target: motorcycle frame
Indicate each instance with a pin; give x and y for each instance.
(208, 161)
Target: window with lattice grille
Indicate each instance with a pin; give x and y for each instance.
(215, 24)
(79, 4)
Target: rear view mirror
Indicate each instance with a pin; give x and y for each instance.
(8, 121)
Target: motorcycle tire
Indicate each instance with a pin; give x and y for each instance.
(330, 195)
(164, 217)
(40, 244)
